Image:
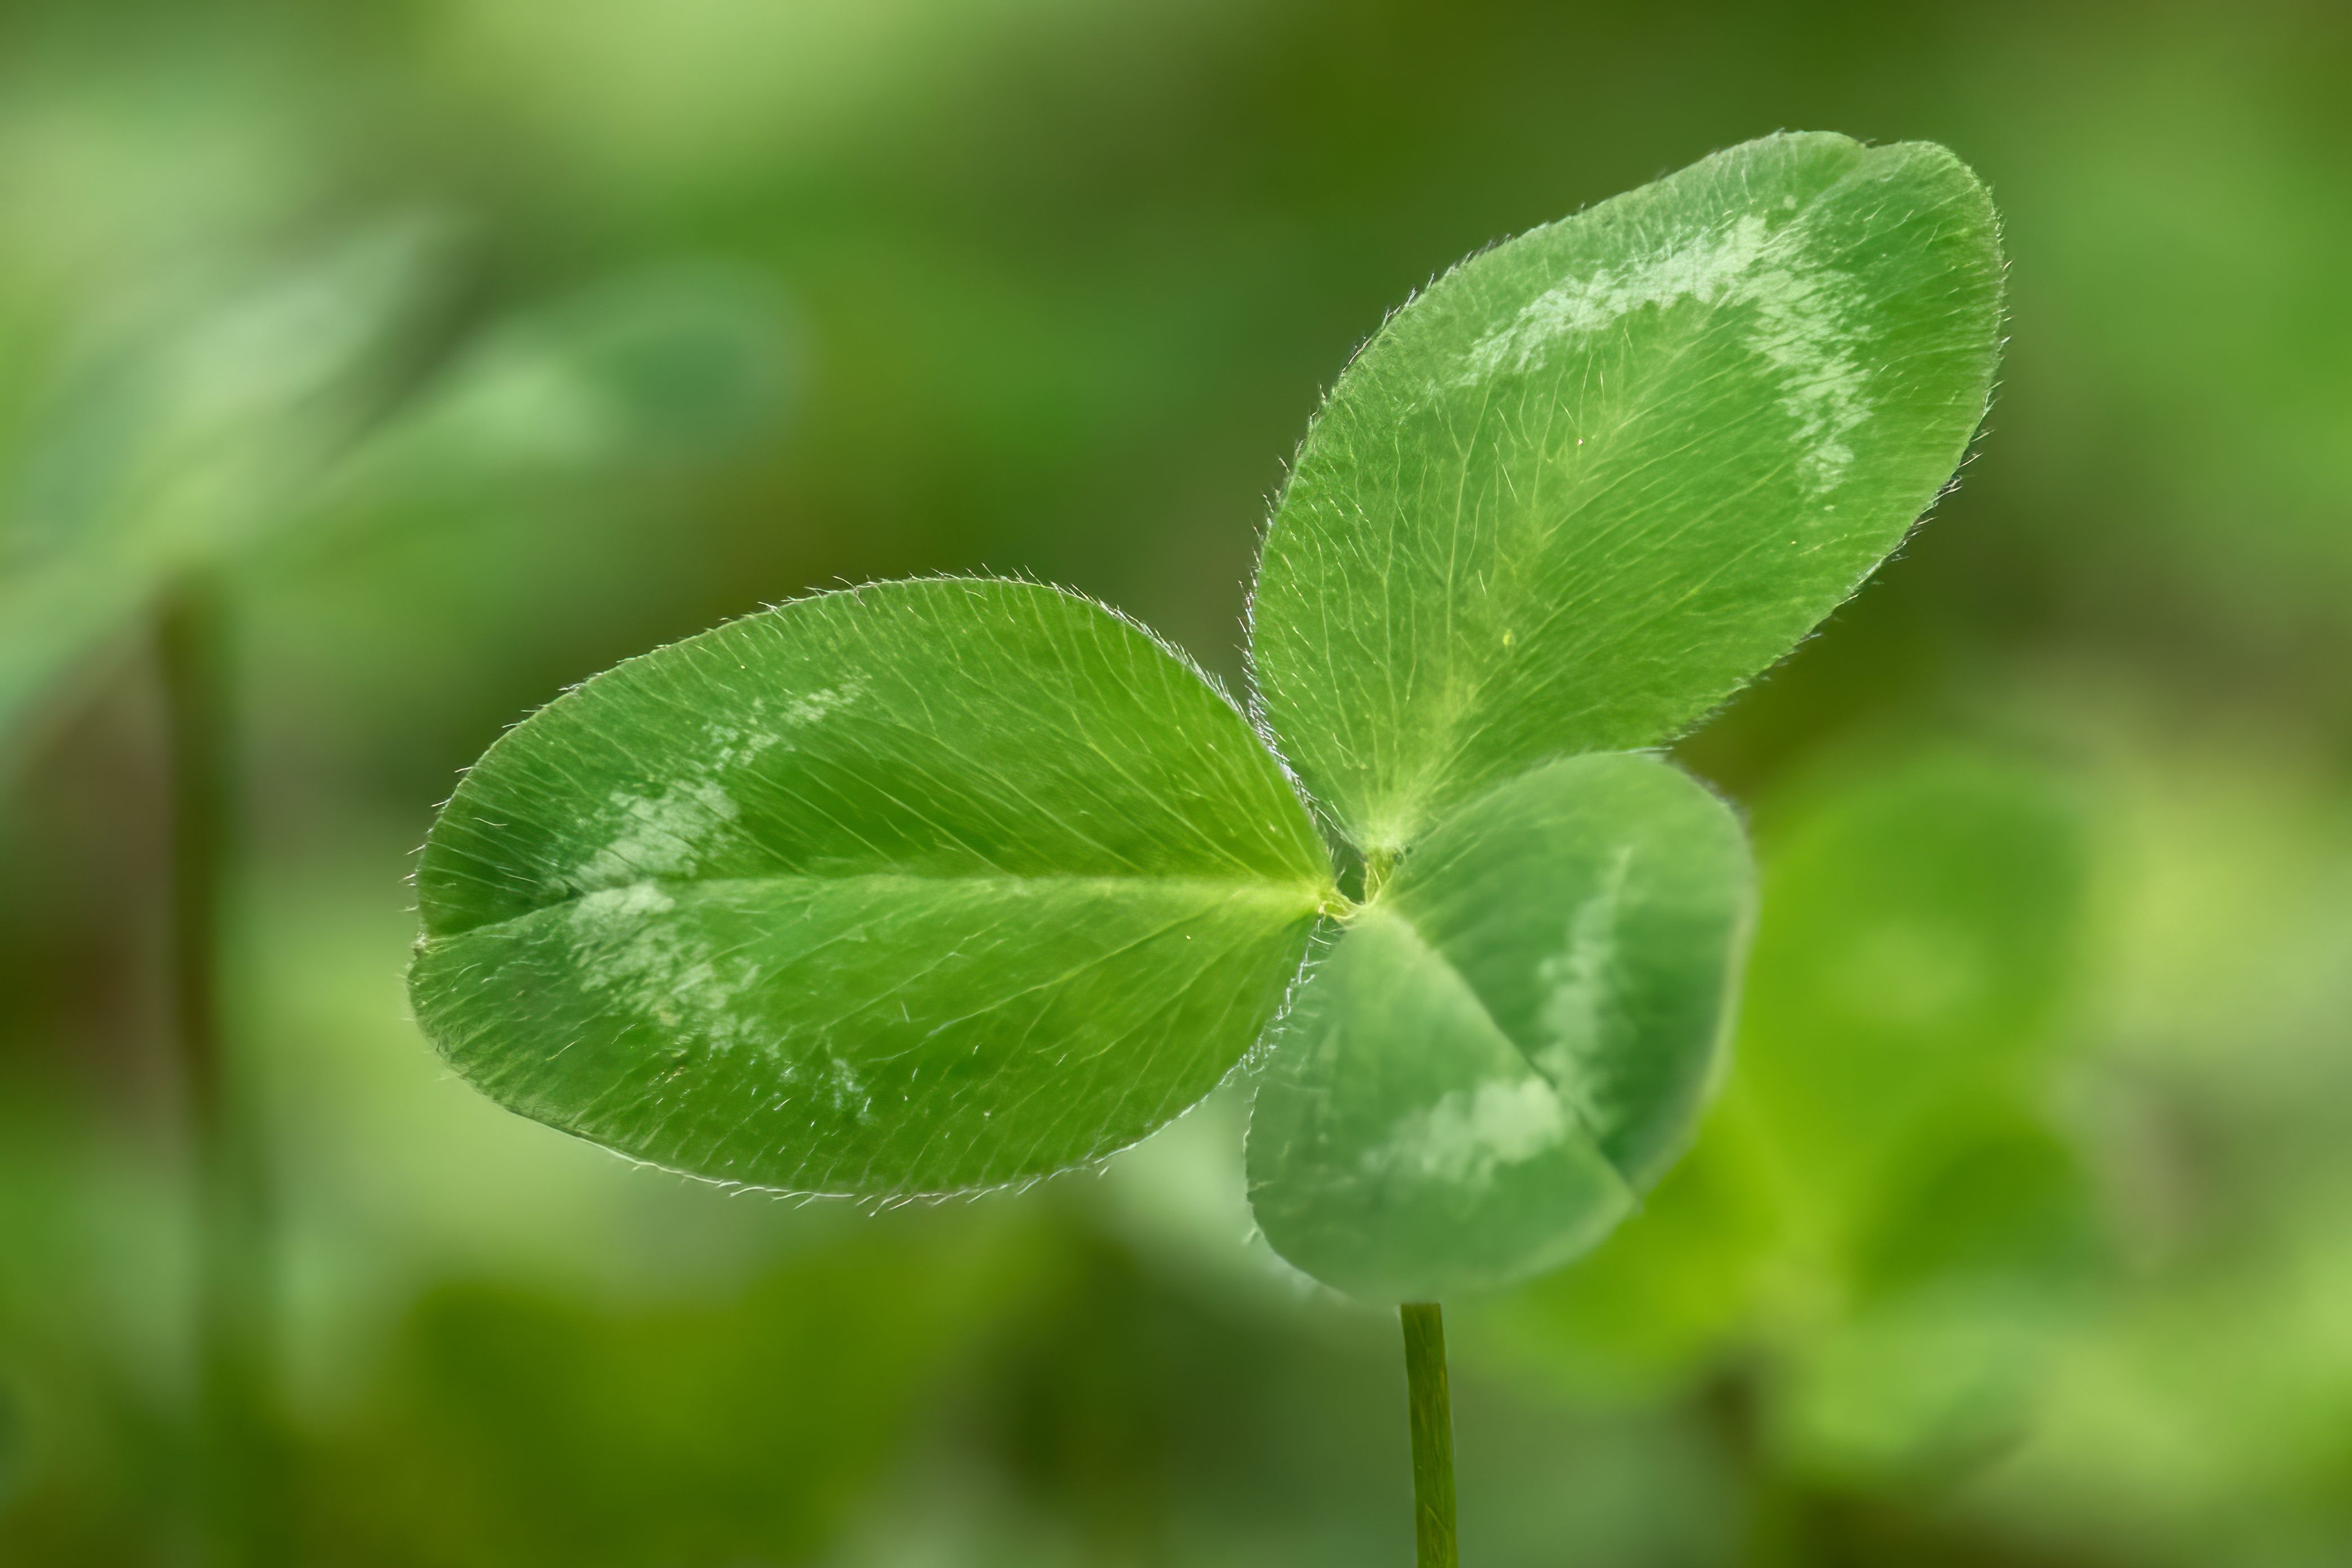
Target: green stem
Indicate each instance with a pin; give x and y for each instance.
(1432, 1409)
(231, 1299)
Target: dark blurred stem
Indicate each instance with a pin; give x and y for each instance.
(231, 1332)
(1432, 1412)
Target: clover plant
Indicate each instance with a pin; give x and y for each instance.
(929, 886)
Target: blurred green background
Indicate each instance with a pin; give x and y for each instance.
(2024, 1232)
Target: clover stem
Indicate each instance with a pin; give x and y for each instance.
(230, 1306)
(1431, 1415)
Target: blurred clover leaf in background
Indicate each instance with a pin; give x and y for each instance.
(194, 436)
(346, 387)
(929, 886)
(680, 360)
(1882, 1208)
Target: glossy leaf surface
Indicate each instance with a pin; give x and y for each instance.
(920, 887)
(1509, 1041)
(1596, 478)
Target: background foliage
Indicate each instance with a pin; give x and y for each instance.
(2020, 1234)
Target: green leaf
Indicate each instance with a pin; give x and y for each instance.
(195, 438)
(1511, 1038)
(1921, 927)
(919, 887)
(1596, 478)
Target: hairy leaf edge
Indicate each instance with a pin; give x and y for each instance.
(1333, 833)
(1330, 900)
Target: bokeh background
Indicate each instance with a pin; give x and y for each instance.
(2023, 1233)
